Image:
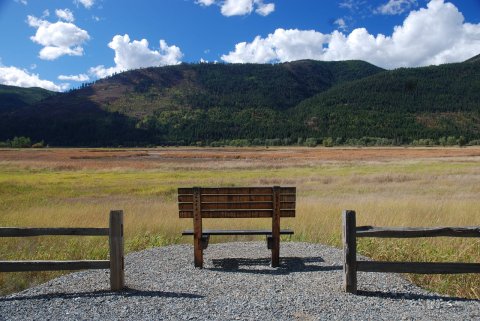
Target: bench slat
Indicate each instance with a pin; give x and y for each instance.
(187, 206)
(237, 213)
(224, 198)
(238, 232)
(237, 190)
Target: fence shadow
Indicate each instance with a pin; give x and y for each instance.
(412, 296)
(287, 265)
(126, 292)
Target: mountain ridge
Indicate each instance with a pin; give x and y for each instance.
(191, 103)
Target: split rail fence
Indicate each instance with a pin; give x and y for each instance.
(116, 248)
(351, 265)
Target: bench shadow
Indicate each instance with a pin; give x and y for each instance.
(412, 296)
(287, 265)
(127, 292)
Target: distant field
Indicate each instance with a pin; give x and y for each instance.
(386, 186)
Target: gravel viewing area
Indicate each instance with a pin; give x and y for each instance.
(236, 283)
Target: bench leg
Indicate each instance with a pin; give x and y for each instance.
(205, 240)
(198, 251)
(197, 228)
(276, 227)
(275, 252)
(269, 242)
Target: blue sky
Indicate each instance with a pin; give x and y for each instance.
(59, 44)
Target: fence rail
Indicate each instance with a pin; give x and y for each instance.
(410, 232)
(23, 266)
(28, 231)
(351, 266)
(116, 249)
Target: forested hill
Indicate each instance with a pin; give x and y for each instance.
(474, 59)
(13, 97)
(147, 91)
(161, 105)
(289, 102)
(427, 102)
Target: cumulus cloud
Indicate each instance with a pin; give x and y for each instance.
(394, 7)
(264, 9)
(136, 54)
(78, 78)
(59, 38)
(432, 35)
(230, 8)
(86, 3)
(14, 76)
(65, 14)
(237, 7)
(282, 45)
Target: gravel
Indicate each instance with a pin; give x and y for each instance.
(237, 283)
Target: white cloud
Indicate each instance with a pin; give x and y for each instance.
(65, 14)
(264, 9)
(282, 45)
(24, 2)
(237, 7)
(78, 78)
(59, 38)
(432, 35)
(136, 54)
(340, 22)
(86, 3)
(353, 5)
(206, 3)
(230, 8)
(394, 7)
(14, 76)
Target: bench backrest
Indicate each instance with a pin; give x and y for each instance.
(236, 202)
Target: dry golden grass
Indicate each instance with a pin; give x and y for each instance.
(386, 187)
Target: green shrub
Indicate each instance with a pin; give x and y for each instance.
(40, 144)
(21, 142)
(328, 142)
(310, 142)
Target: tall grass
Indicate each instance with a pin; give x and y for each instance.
(389, 193)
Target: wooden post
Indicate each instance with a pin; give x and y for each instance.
(276, 227)
(349, 251)
(197, 227)
(117, 261)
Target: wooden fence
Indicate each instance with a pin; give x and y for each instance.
(115, 264)
(351, 265)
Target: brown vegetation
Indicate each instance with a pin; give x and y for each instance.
(158, 157)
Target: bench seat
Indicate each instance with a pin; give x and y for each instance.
(238, 232)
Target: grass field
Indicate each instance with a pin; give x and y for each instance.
(386, 187)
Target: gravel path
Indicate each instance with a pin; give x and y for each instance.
(236, 284)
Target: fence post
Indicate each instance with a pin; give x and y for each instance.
(349, 251)
(117, 264)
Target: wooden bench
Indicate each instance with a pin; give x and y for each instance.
(236, 202)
